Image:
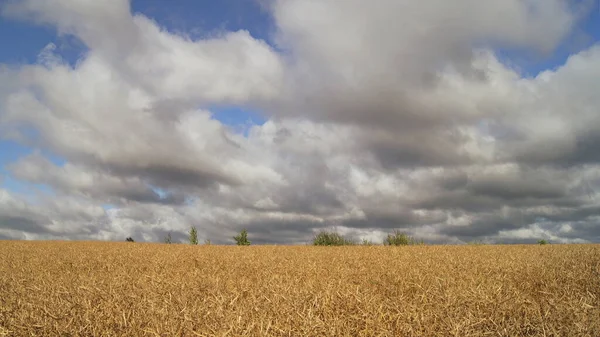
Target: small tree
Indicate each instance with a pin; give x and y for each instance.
(325, 238)
(242, 238)
(168, 239)
(400, 239)
(129, 239)
(542, 242)
(193, 236)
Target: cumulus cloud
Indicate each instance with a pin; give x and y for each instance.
(232, 68)
(395, 116)
(59, 217)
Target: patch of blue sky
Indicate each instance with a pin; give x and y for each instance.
(24, 189)
(162, 194)
(10, 152)
(195, 18)
(190, 200)
(27, 40)
(108, 207)
(584, 35)
(205, 18)
(239, 118)
(200, 19)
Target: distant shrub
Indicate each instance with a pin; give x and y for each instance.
(400, 239)
(326, 238)
(129, 239)
(207, 242)
(242, 238)
(542, 242)
(193, 238)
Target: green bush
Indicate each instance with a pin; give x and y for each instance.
(168, 239)
(129, 239)
(542, 242)
(193, 236)
(400, 239)
(326, 238)
(242, 238)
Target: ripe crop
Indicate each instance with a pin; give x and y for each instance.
(131, 289)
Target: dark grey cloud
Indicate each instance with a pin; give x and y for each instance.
(171, 174)
(575, 214)
(282, 231)
(485, 189)
(24, 223)
(579, 151)
(90, 181)
(16, 236)
(305, 200)
(586, 230)
(486, 226)
(439, 147)
(453, 180)
(520, 185)
(391, 218)
(582, 224)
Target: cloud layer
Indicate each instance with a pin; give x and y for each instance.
(397, 116)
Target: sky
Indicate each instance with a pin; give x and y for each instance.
(453, 122)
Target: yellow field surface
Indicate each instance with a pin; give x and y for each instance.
(135, 289)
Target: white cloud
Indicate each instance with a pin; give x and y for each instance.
(398, 115)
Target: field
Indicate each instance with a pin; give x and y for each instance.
(136, 289)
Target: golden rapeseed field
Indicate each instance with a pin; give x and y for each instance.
(136, 289)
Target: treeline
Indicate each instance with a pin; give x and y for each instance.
(324, 238)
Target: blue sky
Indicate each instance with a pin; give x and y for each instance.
(585, 34)
(201, 18)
